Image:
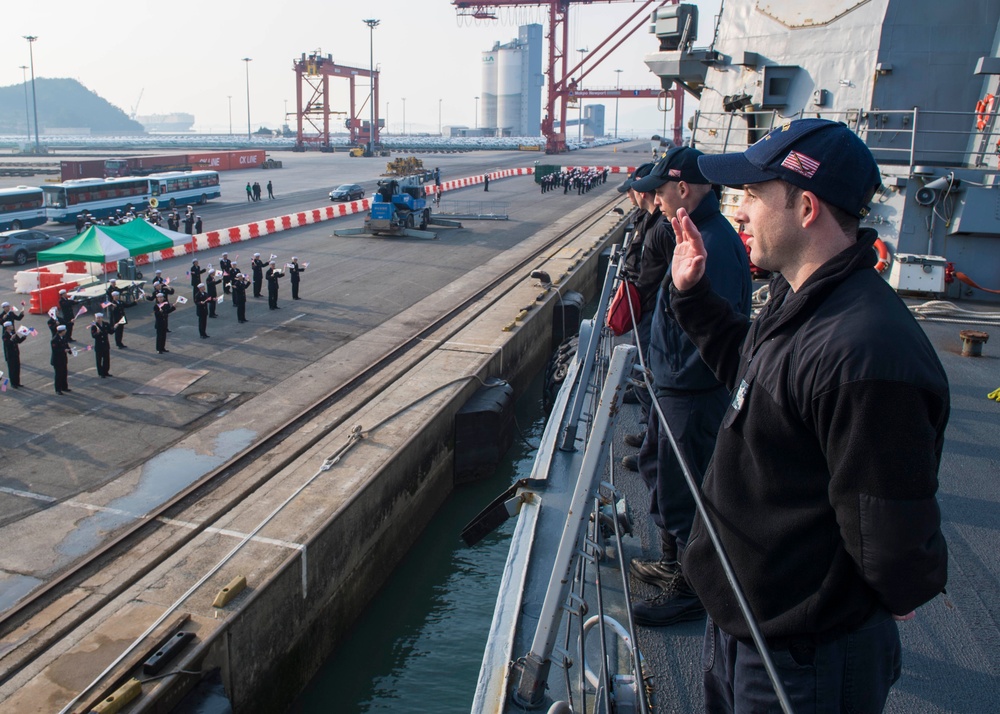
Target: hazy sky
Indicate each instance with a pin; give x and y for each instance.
(185, 56)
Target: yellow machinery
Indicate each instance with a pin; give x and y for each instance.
(404, 166)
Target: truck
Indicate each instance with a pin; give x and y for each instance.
(399, 208)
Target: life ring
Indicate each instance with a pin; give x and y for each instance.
(984, 107)
(883, 256)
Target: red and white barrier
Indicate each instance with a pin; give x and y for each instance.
(30, 282)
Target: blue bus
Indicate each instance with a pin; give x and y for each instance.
(100, 197)
(184, 187)
(21, 207)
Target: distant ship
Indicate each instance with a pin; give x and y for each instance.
(176, 123)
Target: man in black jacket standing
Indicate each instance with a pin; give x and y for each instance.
(12, 352)
(257, 266)
(67, 308)
(239, 288)
(101, 332)
(161, 316)
(116, 316)
(201, 301)
(273, 275)
(293, 275)
(823, 480)
(688, 395)
(195, 273)
(60, 359)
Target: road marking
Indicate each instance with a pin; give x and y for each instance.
(232, 534)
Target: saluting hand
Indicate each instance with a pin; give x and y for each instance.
(688, 264)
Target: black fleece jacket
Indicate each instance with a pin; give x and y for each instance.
(649, 255)
(823, 480)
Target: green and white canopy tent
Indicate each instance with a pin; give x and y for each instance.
(105, 244)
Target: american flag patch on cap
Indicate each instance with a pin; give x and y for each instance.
(675, 172)
(800, 164)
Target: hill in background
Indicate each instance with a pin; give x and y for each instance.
(62, 103)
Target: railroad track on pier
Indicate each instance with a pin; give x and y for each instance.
(233, 476)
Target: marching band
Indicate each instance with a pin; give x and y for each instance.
(112, 320)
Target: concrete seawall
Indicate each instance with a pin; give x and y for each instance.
(337, 526)
(278, 640)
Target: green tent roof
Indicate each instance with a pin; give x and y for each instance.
(103, 244)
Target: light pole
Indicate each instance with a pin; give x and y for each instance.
(230, 114)
(27, 115)
(440, 132)
(618, 84)
(387, 116)
(477, 112)
(579, 125)
(248, 60)
(372, 24)
(404, 116)
(34, 98)
(284, 119)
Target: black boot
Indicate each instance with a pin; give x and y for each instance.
(676, 603)
(661, 571)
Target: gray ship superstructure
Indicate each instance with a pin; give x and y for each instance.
(914, 78)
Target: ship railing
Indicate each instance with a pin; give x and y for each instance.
(582, 542)
(901, 137)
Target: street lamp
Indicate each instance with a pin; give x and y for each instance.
(372, 24)
(404, 116)
(618, 84)
(579, 125)
(230, 114)
(387, 116)
(247, 60)
(27, 115)
(440, 132)
(477, 112)
(34, 98)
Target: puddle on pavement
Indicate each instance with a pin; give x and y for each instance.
(163, 476)
(15, 587)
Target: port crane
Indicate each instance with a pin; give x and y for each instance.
(563, 81)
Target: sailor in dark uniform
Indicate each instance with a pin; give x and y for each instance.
(161, 313)
(273, 275)
(293, 276)
(101, 332)
(195, 272)
(226, 266)
(67, 309)
(9, 313)
(12, 353)
(257, 265)
(116, 316)
(60, 359)
(212, 281)
(239, 288)
(201, 302)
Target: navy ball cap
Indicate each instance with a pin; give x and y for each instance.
(816, 155)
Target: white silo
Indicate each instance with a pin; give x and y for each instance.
(488, 100)
(509, 60)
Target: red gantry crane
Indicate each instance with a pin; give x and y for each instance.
(562, 82)
(312, 73)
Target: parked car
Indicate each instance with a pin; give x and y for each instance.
(18, 246)
(347, 192)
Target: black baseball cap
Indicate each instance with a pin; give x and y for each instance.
(678, 164)
(816, 155)
(635, 175)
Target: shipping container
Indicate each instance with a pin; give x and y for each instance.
(90, 168)
(246, 159)
(214, 161)
(144, 165)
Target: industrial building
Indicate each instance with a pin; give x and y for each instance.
(512, 85)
